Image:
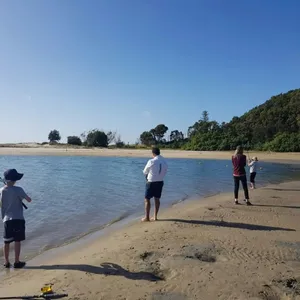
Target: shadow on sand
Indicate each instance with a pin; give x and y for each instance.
(283, 190)
(279, 206)
(230, 225)
(104, 269)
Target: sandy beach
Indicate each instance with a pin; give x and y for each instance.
(34, 149)
(205, 249)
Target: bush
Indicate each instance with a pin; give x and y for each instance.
(284, 142)
(96, 138)
(54, 136)
(120, 144)
(74, 140)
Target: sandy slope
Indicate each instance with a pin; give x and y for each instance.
(48, 150)
(208, 249)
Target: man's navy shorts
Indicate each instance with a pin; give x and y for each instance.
(14, 231)
(154, 189)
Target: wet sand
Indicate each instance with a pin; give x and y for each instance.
(205, 249)
(52, 150)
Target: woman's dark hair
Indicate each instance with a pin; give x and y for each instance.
(155, 151)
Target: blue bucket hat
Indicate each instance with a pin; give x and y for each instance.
(12, 175)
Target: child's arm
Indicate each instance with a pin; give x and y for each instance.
(23, 195)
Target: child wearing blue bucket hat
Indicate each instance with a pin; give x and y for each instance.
(11, 197)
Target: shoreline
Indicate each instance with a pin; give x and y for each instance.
(124, 247)
(116, 223)
(101, 152)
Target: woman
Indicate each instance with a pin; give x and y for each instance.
(253, 166)
(239, 161)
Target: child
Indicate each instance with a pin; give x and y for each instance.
(253, 166)
(11, 197)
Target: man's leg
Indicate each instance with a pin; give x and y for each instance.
(157, 195)
(156, 210)
(147, 210)
(148, 196)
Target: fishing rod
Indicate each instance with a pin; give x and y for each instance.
(47, 293)
(247, 147)
(3, 181)
(41, 296)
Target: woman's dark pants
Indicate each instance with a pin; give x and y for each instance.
(243, 180)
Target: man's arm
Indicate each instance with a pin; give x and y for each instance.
(147, 168)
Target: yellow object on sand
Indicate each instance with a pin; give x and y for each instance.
(46, 289)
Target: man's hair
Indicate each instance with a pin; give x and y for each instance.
(155, 151)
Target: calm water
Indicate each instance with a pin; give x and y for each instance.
(73, 195)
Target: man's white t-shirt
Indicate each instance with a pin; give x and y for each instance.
(156, 169)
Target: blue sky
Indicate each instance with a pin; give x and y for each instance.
(128, 65)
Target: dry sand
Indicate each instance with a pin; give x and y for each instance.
(53, 150)
(207, 249)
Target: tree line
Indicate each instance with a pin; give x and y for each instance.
(92, 138)
(272, 126)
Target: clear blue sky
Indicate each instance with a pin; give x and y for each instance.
(128, 65)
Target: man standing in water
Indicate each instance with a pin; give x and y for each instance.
(155, 171)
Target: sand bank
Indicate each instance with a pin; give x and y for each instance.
(48, 150)
(207, 249)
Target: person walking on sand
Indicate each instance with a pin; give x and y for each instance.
(239, 161)
(253, 167)
(11, 197)
(155, 171)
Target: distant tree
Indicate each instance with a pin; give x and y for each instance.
(54, 136)
(205, 117)
(284, 142)
(176, 136)
(118, 141)
(120, 144)
(96, 138)
(83, 136)
(111, 137)
(273, 125)
(159, 131)
(147, 138)
(74, 140)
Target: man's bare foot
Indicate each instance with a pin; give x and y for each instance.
(145, 220)
(154, 219)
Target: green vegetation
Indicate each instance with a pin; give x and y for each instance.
(54, 136)
(272, 126)
(74, 140)
(96, 138)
